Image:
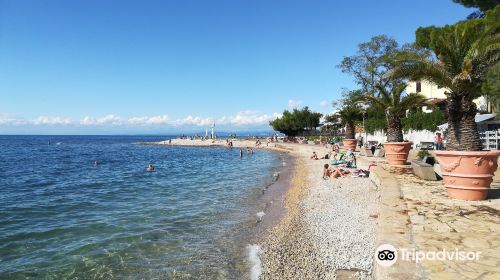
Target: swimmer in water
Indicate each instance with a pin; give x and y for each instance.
(150, 168)
(241, 153)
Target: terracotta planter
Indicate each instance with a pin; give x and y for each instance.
(397, 152)
(468, 175)
(350, 144)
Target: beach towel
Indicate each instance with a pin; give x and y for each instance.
(360, 173)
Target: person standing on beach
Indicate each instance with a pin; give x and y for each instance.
(360, 141)
(439, 141)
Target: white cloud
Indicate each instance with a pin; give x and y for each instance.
(190, 120)
(294, 103)
(248, 118)
(108, 119)
(324, 103)
(156, 120)
(6, 119)
(45, 120)
(242, 118)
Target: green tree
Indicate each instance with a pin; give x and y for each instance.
(465, 52)
(371, 62)
(419, 120)
(375, 119)
(482, 5)
(296, 122)
(491, 87)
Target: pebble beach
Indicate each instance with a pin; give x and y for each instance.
(329, 228)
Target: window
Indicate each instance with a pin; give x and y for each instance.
(419, 87)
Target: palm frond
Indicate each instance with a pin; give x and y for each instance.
(375, 101)
(422, 69)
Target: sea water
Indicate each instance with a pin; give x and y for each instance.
(85, 207)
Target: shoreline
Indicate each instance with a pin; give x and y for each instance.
(313, 235)
(273, 198)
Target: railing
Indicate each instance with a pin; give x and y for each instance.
(490, 139)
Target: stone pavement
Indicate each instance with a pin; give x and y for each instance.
(438, 222)
(418, 215)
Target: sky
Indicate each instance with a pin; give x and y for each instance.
(119, 67)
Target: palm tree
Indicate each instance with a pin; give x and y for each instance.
(465, 52)
(348, 114)
(396, 104)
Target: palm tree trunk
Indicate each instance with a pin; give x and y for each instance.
(349, 130)
(394, 128)
(462, 132)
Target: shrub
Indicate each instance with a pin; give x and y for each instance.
(419, 120)
(423, 153)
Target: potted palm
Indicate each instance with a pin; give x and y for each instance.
(348, 113)
(396, 103)
(465, 52)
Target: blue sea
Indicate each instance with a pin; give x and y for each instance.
(62, 216)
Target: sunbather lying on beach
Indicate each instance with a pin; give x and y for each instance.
(334, 172)
(339, 172)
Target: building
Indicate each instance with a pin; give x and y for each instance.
(438, 95)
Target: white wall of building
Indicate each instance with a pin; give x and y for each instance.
(415, 136)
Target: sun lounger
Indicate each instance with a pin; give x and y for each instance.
(426, 146)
